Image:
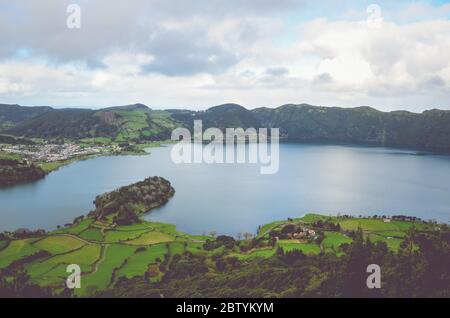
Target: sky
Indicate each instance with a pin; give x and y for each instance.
(390, 55)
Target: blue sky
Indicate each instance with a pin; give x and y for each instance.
(185, 54)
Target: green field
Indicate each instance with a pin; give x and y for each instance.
(333, 240)
(9, 156)
(307, 248)
(125, 251)
(77, 228)
(138, 263)
(106, 252)
(257, 253)
(392, 243)
(15, 251)
(115, 255)
(121, 236)
(58, 244)
(150, 238)
(85, 257)
(369, 225)
(92, 234)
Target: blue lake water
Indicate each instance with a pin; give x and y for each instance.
(232, 198)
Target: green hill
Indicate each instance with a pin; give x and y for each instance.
(11, 115)
(429, 130)
(122, 123)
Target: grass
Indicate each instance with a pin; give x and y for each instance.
(158, 240)
(138, 263)
(58, 244)
(405, 226)
(9, 156)
(121, 236)
(312, 217)
(163, 227)
(396, 234)
(257, 253)
(56, 276)
(16, 250)
(134, 227)
(392, 243)
(307, 248)
(115, 255)
(85, 257)
(268, 227)
(195, 247)
(334, 239)
(369, 225)
(92, 234)
(153, 237)
(77, 228)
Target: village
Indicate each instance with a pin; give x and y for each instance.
(295, 231)
(51, 152)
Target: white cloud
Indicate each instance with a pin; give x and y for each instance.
(198, 56)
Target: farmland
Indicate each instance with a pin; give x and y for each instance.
(107, 252)
(104, 254)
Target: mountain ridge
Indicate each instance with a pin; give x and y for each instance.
(429, 130)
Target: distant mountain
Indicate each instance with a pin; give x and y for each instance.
(360, 125)
(120, 123)
(10, 115)
(222, 116)
(429, 130)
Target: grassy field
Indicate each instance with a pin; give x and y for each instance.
(392, 243)
(92, 234)
(77, 228)
(115, 255)
(85, 257)
(16, 250)
(58, 244)
(9, 156)
(138, 263)
(257, 253)
(120, 236)
(335, 239)
(106, 252)
(307, 248)
(392, 233)
(150, 238)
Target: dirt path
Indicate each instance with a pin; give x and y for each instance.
(100, 259)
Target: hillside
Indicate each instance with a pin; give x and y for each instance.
(122, 123)
(11, 115)
(14, 170)
(151, 259)
(429, 130)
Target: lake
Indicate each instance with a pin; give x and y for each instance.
(232, 198)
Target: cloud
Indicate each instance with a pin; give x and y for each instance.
(201, 53)
(147, 26)
(186, 51)
(277, 71)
